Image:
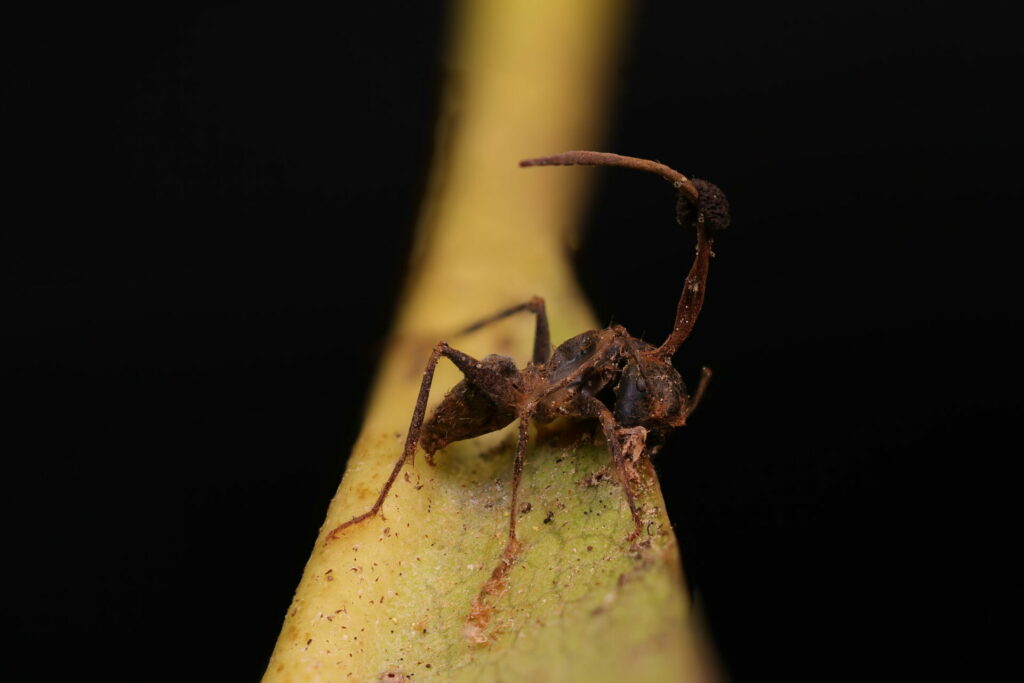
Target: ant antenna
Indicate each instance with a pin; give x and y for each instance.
(700, 203)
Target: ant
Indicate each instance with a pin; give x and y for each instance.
(649, 392)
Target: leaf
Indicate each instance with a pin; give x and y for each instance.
(409, 596)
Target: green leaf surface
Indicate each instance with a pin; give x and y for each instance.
(580, 602)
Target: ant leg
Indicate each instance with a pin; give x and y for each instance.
(508, 555)
(542, 335)
(478, 617)
(693, 401)
(488, 380)
(411, 439)
(608, 425)
(517, 473)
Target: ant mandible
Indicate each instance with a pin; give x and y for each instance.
(649, 392)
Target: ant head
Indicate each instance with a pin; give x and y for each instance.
(711, 204)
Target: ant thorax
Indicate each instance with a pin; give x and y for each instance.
(587, 363)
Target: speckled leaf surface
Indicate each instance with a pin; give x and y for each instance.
(581, 603)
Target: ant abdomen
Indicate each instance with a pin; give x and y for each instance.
(467, 411)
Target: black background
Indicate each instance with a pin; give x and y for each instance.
(207, 230)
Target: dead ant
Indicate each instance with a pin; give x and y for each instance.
(649, 391)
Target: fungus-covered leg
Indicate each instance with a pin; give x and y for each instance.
(480, 613)
(517, 474)
(542, 335)
(610, 429)
(694, 401)
(487, 378)
(508, 555)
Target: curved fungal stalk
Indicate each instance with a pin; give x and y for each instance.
(588, 158)
(700, 203)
